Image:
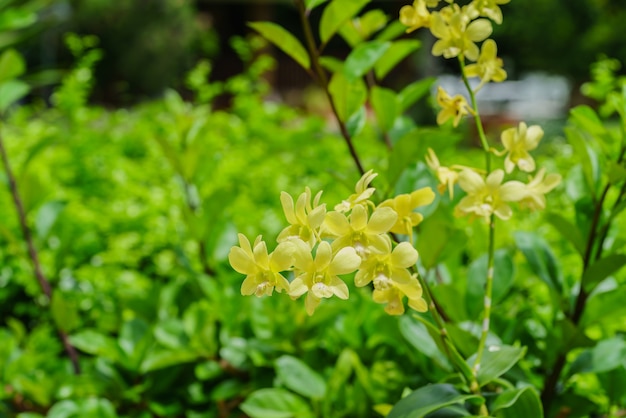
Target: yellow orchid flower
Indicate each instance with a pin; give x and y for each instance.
(488, 196)
(416, 16)
(447, 177)
(304, 218)
(451, 107)
(392, 293)
(456, 32)
(358, 231)
(319, 276)
(262, 269)
(487, 8)
(489, 66)
(536, 189)
(387, 264)
(517, 142)
(361, 195)
(404, 205)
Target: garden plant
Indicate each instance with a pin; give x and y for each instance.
(194, 259)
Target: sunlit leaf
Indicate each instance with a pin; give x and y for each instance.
(426, 400)
(283, 39)
(336, 14)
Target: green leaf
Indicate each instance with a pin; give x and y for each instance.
(134, 339)
(504, 275)
(586, 154)
(97, 408)
(95, 343)
(496, 361)
(348, 95)
(603, 308)
(332, 64)
(607, 355)
(47, 217)
(275, 403)
(428, 399)
(357, 122)
(12, 65)
(159, 359)
(11, 91)
(568, 230)
(312, 4)
(64, 409)
(16, 18)
(361, 28)
(518, 403)
(414, 92)
(64, 312)
(418, 336)
(587, 119)
(283, 39)
(363, 58)
(602, 269)
(385, 104)
(541, 259)
(396, 53)
(392, 31)
(299, 377)
(336, 14)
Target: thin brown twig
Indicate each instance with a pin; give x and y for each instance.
(32, 252)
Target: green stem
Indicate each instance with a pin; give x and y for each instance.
(477, 120)
(322, 79)
(487, 298)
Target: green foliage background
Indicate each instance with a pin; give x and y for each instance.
(133, 212)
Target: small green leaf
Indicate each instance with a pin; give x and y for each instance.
(95, 343)
(64, 312)
(568, 230)
(283, 39)
(332, 64)
(357, 122)
(426, 400)
(396, 53)
(348, 95)
(414, 92)
(587, 119)
(159, 359)
(16, 18)
(418, 336)
(606, 356)
(299, 377)
(336, 14)
(585, 153)
(385, 104)
(603, 308)
(496, 361)
(518, 403)
(275, 403)
(12, 65)
(602, 269)
(541, 259)
(11, 91)
(363, 58)
(312, 4)
(47, 217)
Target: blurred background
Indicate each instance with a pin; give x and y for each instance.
(149, 45)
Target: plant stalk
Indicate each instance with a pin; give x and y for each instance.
(33, 254)
(322, 79)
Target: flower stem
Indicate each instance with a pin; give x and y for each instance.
(477, 120)
(487, 298)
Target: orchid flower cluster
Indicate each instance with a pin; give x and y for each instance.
(457, 30)
(319, 246)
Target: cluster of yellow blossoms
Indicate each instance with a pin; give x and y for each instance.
(319, 246)
(457, 30)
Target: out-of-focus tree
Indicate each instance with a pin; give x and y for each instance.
(562, 36)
